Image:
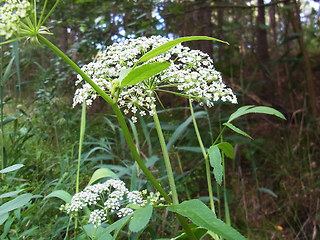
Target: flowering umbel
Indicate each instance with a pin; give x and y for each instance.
(110, 197)
(11, 13)
(191, 74)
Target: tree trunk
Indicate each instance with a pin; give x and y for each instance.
(296, 24)
(262, 43)
(197, 21)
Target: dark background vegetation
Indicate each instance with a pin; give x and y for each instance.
(273, 184)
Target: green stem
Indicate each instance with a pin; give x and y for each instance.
(124, 127)
(205, 155)
(166, 157)
(82, 130)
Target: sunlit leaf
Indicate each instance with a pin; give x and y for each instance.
(144, 72)
(252, 109)
(165, 47)
(11, 168)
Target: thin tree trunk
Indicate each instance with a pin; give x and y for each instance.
(296, 24)
(262, 42)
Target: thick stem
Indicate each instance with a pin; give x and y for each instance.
(205, 155)
(166, 158)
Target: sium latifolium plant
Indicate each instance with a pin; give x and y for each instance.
(128, 76)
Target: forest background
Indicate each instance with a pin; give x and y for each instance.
(273, 60)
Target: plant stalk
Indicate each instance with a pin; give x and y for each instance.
(166, 158)
(206, 157)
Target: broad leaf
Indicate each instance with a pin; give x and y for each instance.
(140, 218)
(202, 216)
(237, 130)
(143, 72)
(116, 227)
(11, 168)
(102, 173)
(216, 162)
(252, 109)
(227, 149)
(165, 47)
(18, 202)
(63, 195)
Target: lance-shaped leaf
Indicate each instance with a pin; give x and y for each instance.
(202, 216)
(237, 130)
(165, 47)
(11, 168)
(252, 109)
(216, 162)
(17, 202)
(143, 72)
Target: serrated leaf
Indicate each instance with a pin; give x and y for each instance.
(202, 216)
(102, 173)
(252, 109)
(140, 218)
(11, 168)
(61, 194)
(143, 72)
(237, 130)
(165, 47)
(13, 204)
(227, 149)
(216, 162)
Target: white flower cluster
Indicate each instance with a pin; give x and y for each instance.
(191, 73)
(11, 12)
(109, 197)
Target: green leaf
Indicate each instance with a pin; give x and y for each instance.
(268, 191)
(124, 73)
(3, 217)
(237, 130)
(202, 216)
(227, 149)
(252, 109)
(102, 173)
(216, 162)
(11, 168)
(140, 218)
(11, 194)
(18, 202)
(116, 226)
(165, 47)
(6, 74)
(63, 195)
(144, 72)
